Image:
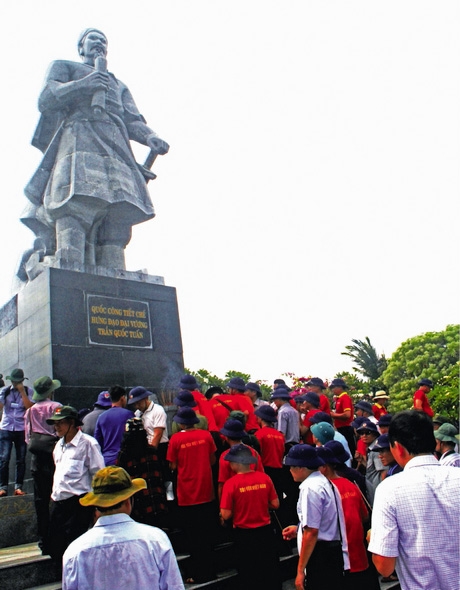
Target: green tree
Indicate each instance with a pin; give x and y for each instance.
(432, 355)
(367, 362)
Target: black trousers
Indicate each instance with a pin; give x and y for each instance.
(349, 434)
(325, 567)
(199, 523)
(257, 559)
(42, 470)
(68, 520)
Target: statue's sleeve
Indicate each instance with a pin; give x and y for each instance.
(61, 88)
(138, 130)
(51, 108)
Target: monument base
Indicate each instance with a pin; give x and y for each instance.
(91, 332)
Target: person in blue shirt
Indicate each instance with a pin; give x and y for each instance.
(110, 425)
(119, 553)
(14, 401)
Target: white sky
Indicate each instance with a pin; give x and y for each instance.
(311, 193)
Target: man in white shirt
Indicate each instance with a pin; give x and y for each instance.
(154, 421)
(77, 457)
(153, 416)
(321, 533)
(417, 510)
(119, 553)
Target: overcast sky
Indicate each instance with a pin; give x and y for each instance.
(311, 193)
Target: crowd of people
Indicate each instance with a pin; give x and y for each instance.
(303, 466)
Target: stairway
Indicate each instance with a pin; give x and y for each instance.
(23, 567)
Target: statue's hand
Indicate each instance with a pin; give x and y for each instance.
(94, 81)
(157, 145)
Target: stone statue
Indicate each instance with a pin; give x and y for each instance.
(88, 191)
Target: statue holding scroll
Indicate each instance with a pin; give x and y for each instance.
(89, 191)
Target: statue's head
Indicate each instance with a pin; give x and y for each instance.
(92, 42)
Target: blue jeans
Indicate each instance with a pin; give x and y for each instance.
(7, 439)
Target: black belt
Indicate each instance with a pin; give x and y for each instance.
(330, 543)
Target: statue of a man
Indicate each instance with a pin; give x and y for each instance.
(89, 191)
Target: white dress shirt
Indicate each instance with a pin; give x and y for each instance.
(155, 417)
(76, 463)
(120, 554)
(416, 512)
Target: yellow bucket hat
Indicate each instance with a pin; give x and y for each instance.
(112, 485)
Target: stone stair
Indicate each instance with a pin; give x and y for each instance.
(23, 567)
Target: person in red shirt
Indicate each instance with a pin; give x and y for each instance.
(247, 498)
(343, 414)
(191, 454)
(237, 387)
(189, 383)
(272, 445)
(233, 433)
(222, 404)
(317, 385)
(360, 456)
(271, 440)
(356, 516)
(421, 403)
(380, 402)
(307, 404)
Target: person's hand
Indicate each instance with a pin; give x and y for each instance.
(20, 387)
(300, 581)
(290, 532)
(157, 145)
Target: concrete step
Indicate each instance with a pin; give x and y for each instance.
(24, 566)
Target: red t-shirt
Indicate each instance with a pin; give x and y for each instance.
(192, 451)
(308, 437)
(378, 411)
(343, 404)
(271, 446)
(226, 472)
(324, 404)
(248, 495)
(220, 412)
(421, 395)
(246, 406)
(204, 409)
(354, 511)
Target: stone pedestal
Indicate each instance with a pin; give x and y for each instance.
(91, 332)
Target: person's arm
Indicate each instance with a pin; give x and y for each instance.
(274, 504)
(309, 538)
(95, 458)
(289, 532)
(98, 435)
(384, 565)
(157, 434)
(25, 398)
(282, 423)
(225, 514)
(345, 414)
(173, 465)
(418, 405)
